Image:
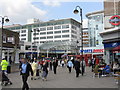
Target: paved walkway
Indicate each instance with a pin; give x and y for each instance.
(65, 80)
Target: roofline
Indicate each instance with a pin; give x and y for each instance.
(92, 13)
(45, 22)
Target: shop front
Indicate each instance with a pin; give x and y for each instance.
(111, 41)
(92, 52)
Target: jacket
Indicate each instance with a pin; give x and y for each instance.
(4, 64)
(28, 70)
(77, 64)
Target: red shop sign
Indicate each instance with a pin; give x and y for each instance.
(98, 50)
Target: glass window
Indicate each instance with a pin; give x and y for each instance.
(23, 34)
(57, 27)
(49, 28)
(42, 29)
(65, 36)
(42, 37)
(23, 31)
(49, 32)
(65, 26)
(65, 31)
(35, 38)
(23, 39)
(49, 37)
(42, 33)
(73, 27)
(57, 31)
(58, 36)
(36, 34)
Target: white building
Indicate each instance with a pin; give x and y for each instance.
(64, 30)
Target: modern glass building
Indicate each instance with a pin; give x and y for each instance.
(95, 26)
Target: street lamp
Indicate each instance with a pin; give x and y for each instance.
(3, 20)
(35, 31)
(76, 11)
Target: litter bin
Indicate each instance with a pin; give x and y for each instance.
(9, 69)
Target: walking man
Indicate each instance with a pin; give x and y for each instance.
(83, 64)
(77, 67)
(69, 65)
(55, 64)
(25, 68)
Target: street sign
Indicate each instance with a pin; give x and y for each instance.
(115, 20)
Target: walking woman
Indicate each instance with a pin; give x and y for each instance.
(45, 70)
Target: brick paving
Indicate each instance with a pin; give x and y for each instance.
(65, 80)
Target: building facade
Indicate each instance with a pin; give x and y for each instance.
(10, 49)
(95, 26)
(40, 33)
(111, 35)
(86, 39)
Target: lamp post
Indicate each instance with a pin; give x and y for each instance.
(35, 31)
(76, 11)
(3, 20)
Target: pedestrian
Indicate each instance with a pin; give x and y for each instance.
(77, 67)
(59, 63)
(45, 70)
(55, 64)
(5, 79)
(34, 68)
(69, 65)
(63, 62)
(93, 64)
(51, 64)
(25, 69)
(83, 65)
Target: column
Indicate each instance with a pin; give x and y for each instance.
(107, 57)
(17, 56)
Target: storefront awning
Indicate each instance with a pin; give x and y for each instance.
(116, 48)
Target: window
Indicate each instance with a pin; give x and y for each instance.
(65, 31)
(49, 37)
(49, 28)
(23, 35)
(73, 27)
(42, 29)
(23, 39)
(74, 32)
(36, 34)
(57, 27)
(35, 38)
(42, 33)
(49, 32)
(27, 47)
(65, 26)
(23, 31)
(58, 36)
(96, 27)
(57, 31)
(42, 37)
(65, 36)
(74, 36)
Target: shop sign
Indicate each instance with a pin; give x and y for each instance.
(92, 51)
(115, 20)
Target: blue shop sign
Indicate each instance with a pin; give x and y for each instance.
(86, 51)
(111, 45)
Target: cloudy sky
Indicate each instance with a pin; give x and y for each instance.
(19, 11)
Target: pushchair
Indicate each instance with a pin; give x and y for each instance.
(5, 79)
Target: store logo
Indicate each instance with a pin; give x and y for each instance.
(114, 44)
(115, 20)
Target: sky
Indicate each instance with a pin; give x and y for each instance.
(20, 10)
